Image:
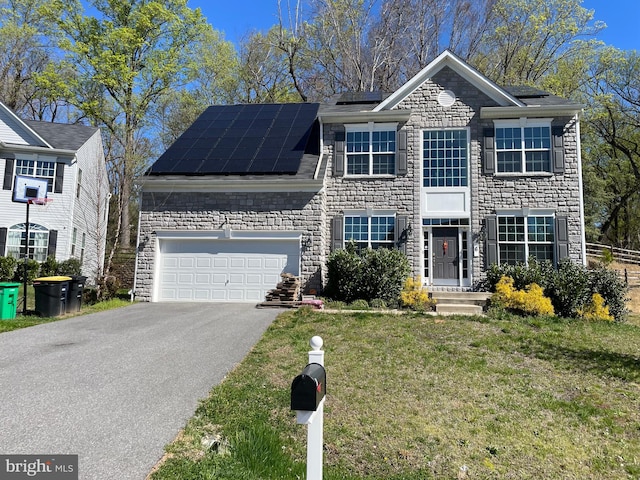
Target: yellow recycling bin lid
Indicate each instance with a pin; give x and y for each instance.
(57, 278)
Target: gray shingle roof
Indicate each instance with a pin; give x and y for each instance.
(532, 96)
(62, 135)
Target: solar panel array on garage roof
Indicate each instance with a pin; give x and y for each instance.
(241, 140)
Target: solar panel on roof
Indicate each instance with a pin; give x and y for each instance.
(242, 139)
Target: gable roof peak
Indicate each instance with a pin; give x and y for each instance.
(21, 124)
(449, 59)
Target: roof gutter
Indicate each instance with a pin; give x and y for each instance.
(530, 111)
(36, 149)
(365, 116)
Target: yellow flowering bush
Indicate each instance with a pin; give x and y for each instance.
(415, 296)
(530, 301)
(596, 309)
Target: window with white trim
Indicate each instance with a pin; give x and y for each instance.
(370, 231)
(521, 237)
(37, 168)
(38, 241)
(371, 149)
(523, 147)
(444, 158)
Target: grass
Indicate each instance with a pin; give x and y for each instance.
(417, 397)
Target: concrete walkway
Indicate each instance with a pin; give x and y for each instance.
(115, 387)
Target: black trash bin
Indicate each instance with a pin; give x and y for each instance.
(51, 295)
(74, 297)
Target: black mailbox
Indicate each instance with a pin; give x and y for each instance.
(309, 388)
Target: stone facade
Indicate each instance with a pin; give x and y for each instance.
(313, 213)
(241, 211)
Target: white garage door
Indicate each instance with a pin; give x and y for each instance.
(224, 270)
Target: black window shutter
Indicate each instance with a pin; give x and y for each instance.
(489, 157)
(562, 238)
(491, 240)
(401, 165)
(401, 233)
(337, 235)
(59, 177)
(8, 174)
(338, 155)
(53, 242)
(558, 149)
(3, 241)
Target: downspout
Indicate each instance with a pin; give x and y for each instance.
(317, 172)
(579, 148)
(74, 200)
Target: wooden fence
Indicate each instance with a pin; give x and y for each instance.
(621, 255)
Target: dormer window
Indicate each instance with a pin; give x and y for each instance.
(371, 149)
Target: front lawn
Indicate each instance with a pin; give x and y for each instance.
(420, 397)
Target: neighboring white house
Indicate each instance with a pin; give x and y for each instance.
(73, 223)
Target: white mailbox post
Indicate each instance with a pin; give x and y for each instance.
(306, 390)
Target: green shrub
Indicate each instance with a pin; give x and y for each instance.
(613, 289)
(607, 256)
(359, 305)
(72, 266)
(571, 287)
(33, 271)
(378, 303)
(366, 275)
(7, 268)
(522, 274)
(49, 267)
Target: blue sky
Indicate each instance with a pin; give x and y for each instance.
(236, 17)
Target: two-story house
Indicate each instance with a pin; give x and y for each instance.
(72, 224)
(454, 170)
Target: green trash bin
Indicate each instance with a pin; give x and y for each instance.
(51, 295)
(8, 300)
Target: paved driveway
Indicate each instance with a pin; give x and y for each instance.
(115, 387)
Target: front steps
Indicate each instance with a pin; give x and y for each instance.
(460, 303)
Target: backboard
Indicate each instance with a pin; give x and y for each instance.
(26, 189)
